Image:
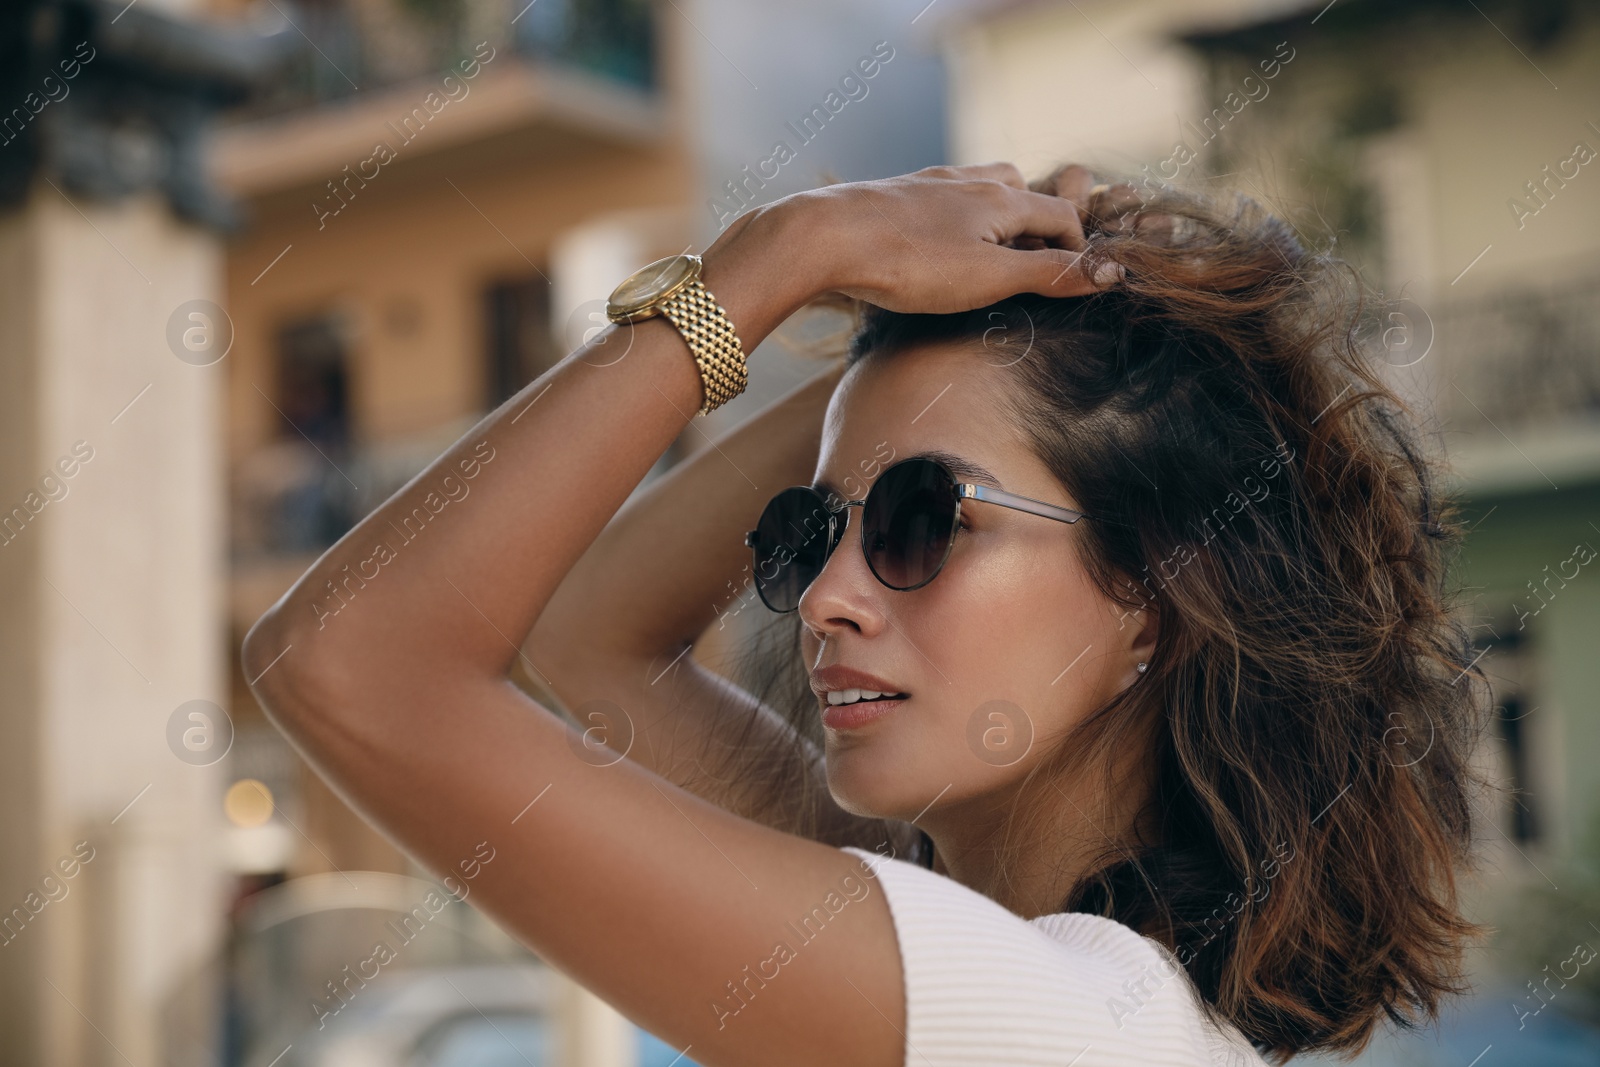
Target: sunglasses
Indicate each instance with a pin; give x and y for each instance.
(908, 526)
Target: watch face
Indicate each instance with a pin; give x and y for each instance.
(650, 284)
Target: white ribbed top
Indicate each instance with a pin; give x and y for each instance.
(986, 986)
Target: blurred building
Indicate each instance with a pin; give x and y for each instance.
(432, 193)
(437, 197)
(238, 345)
(111, 531)
(1448, 150)
(264, 259)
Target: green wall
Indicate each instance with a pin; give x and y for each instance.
(1513, 538)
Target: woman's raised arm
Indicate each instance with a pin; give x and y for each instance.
(612, 642)
(386, 663)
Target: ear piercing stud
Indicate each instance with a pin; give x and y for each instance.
(1142, 667)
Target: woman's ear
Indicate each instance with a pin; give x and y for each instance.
(1144, 640)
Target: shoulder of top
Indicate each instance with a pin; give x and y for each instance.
(1077, 932)
(1100, 936)
(959, 946)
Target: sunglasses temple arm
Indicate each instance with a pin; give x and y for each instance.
(1020, 503)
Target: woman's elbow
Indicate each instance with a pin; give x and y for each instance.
(284, 668)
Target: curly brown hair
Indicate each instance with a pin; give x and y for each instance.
(1313, 693)
(1313, 700)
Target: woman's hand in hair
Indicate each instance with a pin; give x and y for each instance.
(1107, 208)
(943, 239)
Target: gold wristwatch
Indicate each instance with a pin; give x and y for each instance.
(671, 287)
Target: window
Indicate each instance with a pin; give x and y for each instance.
(314, 499)
(521, 340)
(1506, 664)
(313, 383)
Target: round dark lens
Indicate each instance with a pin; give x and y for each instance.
(791, 546)
(909, 522)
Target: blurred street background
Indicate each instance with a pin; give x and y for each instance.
(262, 260)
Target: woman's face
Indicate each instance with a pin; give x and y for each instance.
(1006, 649)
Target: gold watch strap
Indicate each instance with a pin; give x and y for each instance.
(717, 352)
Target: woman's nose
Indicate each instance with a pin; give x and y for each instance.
(844, 595)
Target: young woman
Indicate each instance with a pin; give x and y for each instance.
(1137, 720)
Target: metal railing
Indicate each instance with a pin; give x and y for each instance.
(291, 497)
(344, 48)
(1521, 357)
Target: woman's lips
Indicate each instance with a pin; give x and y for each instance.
(851, 716)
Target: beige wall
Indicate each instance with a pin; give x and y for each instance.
(1041, 85)
(1490, 121)
(417, 243)
(114, 596)
(25, 843)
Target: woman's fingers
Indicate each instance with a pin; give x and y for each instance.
(998, 170)
(1118, 207)
(1073, 182)
(953, 238)
(1049, 218)
(1113, 207)
(1051, 272)
(1084, 188)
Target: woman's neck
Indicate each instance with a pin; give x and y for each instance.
(1067, 833)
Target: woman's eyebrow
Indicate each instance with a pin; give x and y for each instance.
(965, 470)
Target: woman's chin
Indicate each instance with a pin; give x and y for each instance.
(864, 787)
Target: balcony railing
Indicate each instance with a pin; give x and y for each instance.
(291, 498)
(1524, 357)
(346, 47)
